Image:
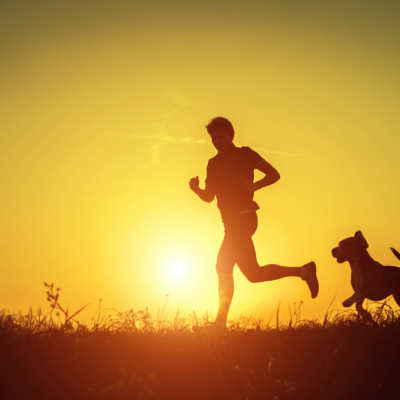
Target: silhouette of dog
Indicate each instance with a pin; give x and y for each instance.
(369, 279)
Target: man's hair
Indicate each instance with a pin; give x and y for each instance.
(219, 124)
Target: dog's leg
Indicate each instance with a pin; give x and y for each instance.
(363, 312)
(354, 298)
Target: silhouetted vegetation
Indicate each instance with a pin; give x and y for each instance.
(130, 355)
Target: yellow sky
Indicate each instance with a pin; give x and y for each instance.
(103, 107)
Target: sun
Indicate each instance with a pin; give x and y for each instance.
(176, 269)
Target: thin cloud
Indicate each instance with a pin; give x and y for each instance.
(169, 114)
(281, 153)
(164, 139)
(160, 141)
(161, 137)
(180, 99)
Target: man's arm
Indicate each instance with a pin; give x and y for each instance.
(271, 176)
(207, 194)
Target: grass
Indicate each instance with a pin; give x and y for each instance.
(130, 355)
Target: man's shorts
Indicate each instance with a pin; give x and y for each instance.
(237, 246)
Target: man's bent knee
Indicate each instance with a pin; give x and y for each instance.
(254, 275)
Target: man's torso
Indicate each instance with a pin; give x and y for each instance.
(226, 173)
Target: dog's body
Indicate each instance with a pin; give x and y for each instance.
(369, 279)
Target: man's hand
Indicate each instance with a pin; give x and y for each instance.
(207, 194)
(194, 184)
(251, 186)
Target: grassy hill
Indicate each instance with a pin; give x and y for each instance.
(130, 355)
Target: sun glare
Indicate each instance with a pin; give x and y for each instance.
(176, 269)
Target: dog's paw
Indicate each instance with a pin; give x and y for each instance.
(347, 303)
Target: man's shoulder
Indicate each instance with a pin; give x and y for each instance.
(239, 152)
(245, 149)
(248, 151)
(237, 149)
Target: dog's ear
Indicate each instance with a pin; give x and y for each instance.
(361, 238)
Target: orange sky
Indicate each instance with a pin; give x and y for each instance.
(103, 107)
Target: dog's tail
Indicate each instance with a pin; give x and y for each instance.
(395, 252)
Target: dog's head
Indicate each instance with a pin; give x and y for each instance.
(351, 247)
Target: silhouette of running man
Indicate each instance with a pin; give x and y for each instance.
(230, 176)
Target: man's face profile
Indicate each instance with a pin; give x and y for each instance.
(221, 140)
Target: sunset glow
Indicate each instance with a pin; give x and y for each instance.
(177, 269)
(103, 112)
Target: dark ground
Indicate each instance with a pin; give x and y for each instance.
(339, 359)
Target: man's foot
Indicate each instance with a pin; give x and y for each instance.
(214, 327)
(309, 274)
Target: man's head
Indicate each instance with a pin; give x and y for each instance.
(221, 132)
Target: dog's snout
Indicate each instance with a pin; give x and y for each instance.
(339, 254)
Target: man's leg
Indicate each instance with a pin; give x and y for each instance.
(272, 272)
(225, 291)
(247, 259)
(226, 261)
(308, 273)
(247, 262)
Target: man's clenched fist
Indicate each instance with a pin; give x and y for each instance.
(194, 184)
